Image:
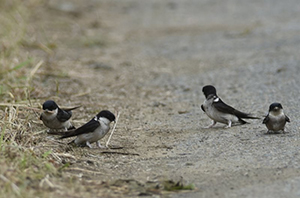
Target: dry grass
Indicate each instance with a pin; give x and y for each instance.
(26, 164)
(31, 163)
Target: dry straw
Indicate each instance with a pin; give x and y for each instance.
(112, 132)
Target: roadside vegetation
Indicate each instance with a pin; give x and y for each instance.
(26, 162)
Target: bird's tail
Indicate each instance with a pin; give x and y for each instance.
(249, 116)
(242, 121)
(70, 108)
(245, 115)
(62, 133)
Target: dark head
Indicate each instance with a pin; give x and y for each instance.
(49, 105)
(106, 114)
(275, 106)
(209, 89)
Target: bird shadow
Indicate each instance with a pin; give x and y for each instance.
(276, 133)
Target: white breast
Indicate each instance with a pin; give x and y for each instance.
(276, 122)
(51, 121)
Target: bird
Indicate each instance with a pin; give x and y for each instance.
(276, 119)
(92, 131)
(219, 111)
(56, 118)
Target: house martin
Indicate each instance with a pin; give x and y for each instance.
(56, 118)
(219, 111)
(92, 131)
(276, 119)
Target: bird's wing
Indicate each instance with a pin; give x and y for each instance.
(223, 107)
(287, 119)
(86, 128)
(202, 107)
(70, 108)
(63, 115)
(266, 119)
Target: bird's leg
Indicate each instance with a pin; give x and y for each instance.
(284, 131)
(99, 145)
(229, 124)
(212, 124)
(88, 144)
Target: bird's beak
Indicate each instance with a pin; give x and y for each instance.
(276, 109)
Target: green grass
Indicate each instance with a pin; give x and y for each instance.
(170, 185)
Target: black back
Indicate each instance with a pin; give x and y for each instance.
(223, 107)
(92, 125)
(86, 128)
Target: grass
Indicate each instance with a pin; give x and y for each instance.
(31, 164)
(170, 185)
(25, 164)
(14, 63)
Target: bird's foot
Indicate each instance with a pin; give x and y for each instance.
(89, 145)
(100, 146)
(229, 125)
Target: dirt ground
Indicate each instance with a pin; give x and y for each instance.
(149, 60)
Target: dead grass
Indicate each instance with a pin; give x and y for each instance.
(25, 163)
(32, 164)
